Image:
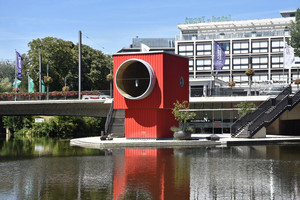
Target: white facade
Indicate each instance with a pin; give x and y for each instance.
(256, 44)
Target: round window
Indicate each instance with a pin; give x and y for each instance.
(135, 79)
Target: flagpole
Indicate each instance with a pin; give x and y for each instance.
(16, 72)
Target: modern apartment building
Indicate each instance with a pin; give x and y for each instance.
(257, 44)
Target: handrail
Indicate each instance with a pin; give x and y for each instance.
(240, 123)
(269, 116)
(295, 99)
(109, 117)
(252, 117)
(287, 90)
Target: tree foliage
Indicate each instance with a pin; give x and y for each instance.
(57, 126)
(295, 34)
(245, 108)
(7, 75)
(5, 85)
(62, 58)
(182, 116)
(7, 70)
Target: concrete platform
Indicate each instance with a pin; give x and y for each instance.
(197, 140)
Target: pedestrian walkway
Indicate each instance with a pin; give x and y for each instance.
(197, 140)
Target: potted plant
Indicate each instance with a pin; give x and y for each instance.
(182, 132)
(231, 83)
(109, 77)
(16, 90)
(250, 73)
(48, 79)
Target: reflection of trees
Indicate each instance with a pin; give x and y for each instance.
(61, 171)
(36, 147)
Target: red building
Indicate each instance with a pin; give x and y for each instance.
(146, 86)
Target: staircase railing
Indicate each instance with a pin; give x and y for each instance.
(282, 95)
(268, 117)
(109, 117)
(295, 99)
(256, 114)
(243, 121)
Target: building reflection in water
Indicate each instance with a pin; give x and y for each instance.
(151, 174)
(57, 171)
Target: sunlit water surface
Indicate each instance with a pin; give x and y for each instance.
(50, 169)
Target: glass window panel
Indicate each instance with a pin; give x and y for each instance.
(244, 45)
(244, 60)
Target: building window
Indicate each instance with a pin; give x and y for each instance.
(241, 79)
(240, 63)
(240, 47)
(279, 77)
(277, 45)
(227, 64)
(204, 49)
(224, 78)
(277, 62)
(260, 78)
(191, 65)
(197, 91)
(260, 62)
(260, 46)
(186, 50)
(203, 64)
(226, 47)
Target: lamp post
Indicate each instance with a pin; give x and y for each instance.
(28, 83)
(79, 66)
(47, 82)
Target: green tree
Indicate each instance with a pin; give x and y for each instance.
(295, 34)
(16, 123)
(7, 75)
(182, 116)
(7, 70)
(245, 108)
(5, 85)
(62, 58)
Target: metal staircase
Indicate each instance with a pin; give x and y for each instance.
(265, 114)
(115, 122)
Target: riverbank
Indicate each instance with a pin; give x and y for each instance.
(196, 140)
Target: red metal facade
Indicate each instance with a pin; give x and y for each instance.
(149, 123)
(151, 117)
(168, 69)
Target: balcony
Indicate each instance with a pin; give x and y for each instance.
(229, 35)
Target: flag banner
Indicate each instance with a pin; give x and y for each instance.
(144, 48)
(16, 83)
(43, 87)
(219, 59)
(19, 65)
(288, 56)
(31, 85)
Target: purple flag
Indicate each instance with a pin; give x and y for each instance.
(19, 65)
(219, 59)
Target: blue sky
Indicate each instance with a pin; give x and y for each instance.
(109, 25)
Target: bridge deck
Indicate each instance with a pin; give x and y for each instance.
(92, 108)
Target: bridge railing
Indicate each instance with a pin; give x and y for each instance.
(55, 95)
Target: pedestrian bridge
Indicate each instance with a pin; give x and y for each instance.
(88, 108)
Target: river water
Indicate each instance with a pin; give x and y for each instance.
(52, 169)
